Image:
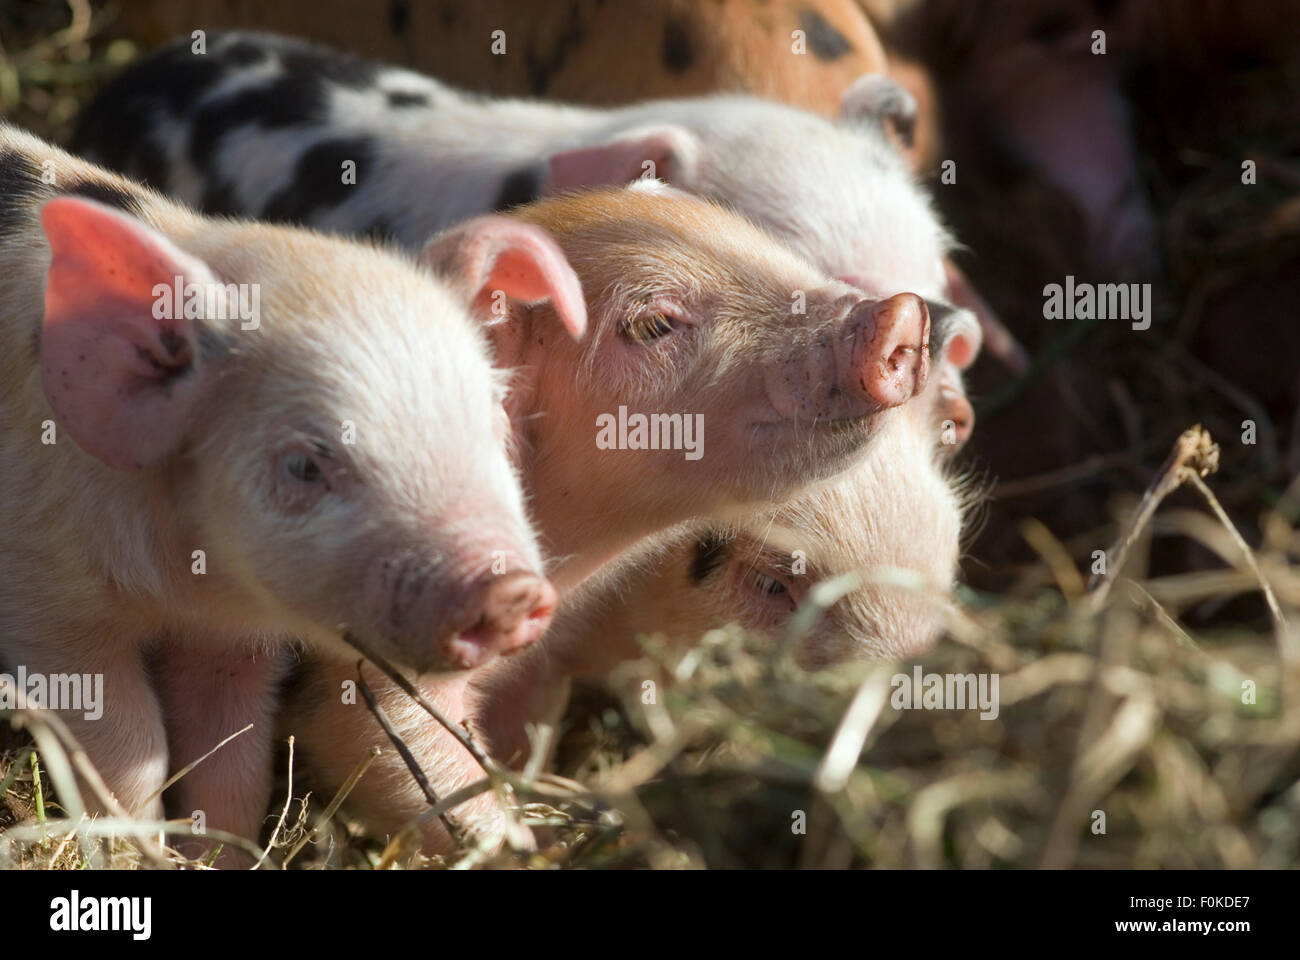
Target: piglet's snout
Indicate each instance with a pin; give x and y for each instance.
(891, 352)
(501, 614)
(435, 617)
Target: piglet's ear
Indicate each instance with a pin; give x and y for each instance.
(957, 334)
(494, 258)
(663, 152)
(118, 357)
(876, 99)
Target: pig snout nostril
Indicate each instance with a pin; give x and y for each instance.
(512, 600)
(507, 613)
(894, 359)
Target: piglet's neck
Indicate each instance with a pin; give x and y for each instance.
(584, 517)
(582, 530)
(582, 524)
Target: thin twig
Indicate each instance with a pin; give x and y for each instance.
(403, 750)
(500, 777)
(279, 824)
(1194, 454)
(1274, 608)
(332, 807)
(463, 736)
(451, 802)
(190, 766)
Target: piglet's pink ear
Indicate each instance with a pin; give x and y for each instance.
(117, 356)
(491, 256)
(664, 152)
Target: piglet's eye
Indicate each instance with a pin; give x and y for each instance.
(303, 468)
(646, 327)
(769, 585)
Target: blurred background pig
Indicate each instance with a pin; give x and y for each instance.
(185, 485)
(802, 52)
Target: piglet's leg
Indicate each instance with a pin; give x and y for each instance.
(122, 731)
(208, 693)
(335, 729)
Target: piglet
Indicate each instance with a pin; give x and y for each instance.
(216, 436)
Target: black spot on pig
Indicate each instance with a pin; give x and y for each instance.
(522, 186)
(114, 130)
(824, 41)
(177, 76)
(20, 187)
(303, 59)
(126, 146)
(289, 101)
(109, 194)
(317, 181)
(407, 98)
(244, 52)
(679, 48)
(711, 552)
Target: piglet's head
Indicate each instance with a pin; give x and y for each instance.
(750, 372)
(319, 417)
(894, 520)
